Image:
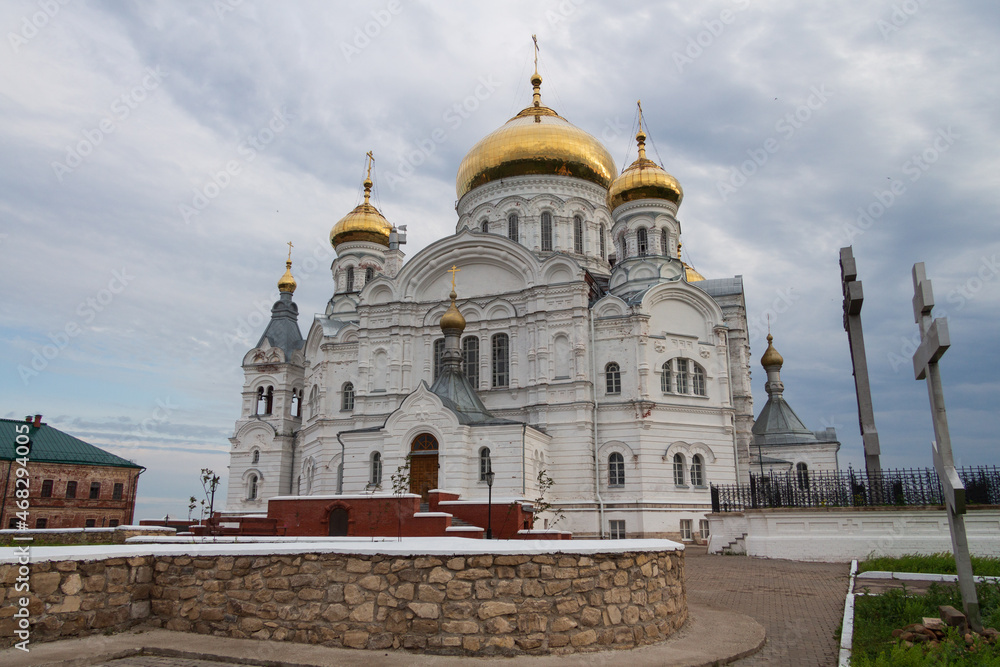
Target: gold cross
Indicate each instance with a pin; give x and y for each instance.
(639, 104)
(371, 159)
(290, 251)
(453, 270)
(534, 38)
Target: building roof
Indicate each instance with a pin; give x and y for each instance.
(50, 445)
(283, 329)
(778, 424)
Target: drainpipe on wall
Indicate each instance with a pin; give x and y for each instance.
(340, 472)
(597, 460)
(135, 492)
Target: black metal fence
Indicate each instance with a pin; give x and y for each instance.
(851, 488)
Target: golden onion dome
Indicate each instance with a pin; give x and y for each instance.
(364, 223)
(287, 283)
(771, 356)
(644, 179)
(536, 141)
(452, 319)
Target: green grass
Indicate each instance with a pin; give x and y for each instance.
(941, 563)
(876, 616)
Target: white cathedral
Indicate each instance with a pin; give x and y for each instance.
(580, 349)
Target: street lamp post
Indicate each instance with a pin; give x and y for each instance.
(489, 519)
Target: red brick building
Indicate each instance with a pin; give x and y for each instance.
(70, 483)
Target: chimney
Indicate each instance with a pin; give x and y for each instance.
(38, 421)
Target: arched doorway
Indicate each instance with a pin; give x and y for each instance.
(338, 522)
(423, 465)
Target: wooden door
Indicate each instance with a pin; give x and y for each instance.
(338, 522)
(423, 474)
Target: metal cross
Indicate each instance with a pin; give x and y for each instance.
(853, 299)
(934, 343)
(453, 270)
(290, 246)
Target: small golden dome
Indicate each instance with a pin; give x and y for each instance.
(644, 179)
(536, 141)
(771, 356)
(287, 282)
(691, 275)
(364, 223)
(452, 319)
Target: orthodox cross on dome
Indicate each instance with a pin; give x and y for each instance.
(290, 246)
(534, 38)
(453, 270)
(934, 343)
(853, 299)
(369, 160)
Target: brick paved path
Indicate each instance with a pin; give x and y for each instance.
(800, 604)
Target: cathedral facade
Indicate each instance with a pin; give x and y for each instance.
(557, 340)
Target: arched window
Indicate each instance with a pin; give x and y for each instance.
(369, 275)
(664, 242)
(376, 472)
(802, 475)
(603, 242)
(255, 457)
(484, 226)
(501, 360)
(682, 376)
(512, 227)
(347, 397)
(616, 470)
(642, 241)
(546, 231)
(260, 407)
(698, 380)
(252, 487)
(679, 469)
(622, 247)
(314, 401)
(350, 279)
(485, 464)
(578, 234)
(697, 471)
(613, 378)
(665, 377)
(296, 409)
(470, 359)
(438, 354)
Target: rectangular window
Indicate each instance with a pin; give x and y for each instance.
(703, 529)
(604, 243)
(546, 231)
(578, 235)
(501, 360)
(95, 490)
(116, 493)
(91, 523)
(47, 488)
(616, 529)
(112, 523)
(682, 376)
(71, 489)
(685, 529)
(512, 227)
(41, 523)
(699, 380)
(470, 360)
(12, 523)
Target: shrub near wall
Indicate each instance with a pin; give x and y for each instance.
(473, 605)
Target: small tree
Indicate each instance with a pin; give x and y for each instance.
(192, 504)
(545, 482)
(209, 482)
(400, 485)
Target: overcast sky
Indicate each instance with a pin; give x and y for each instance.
(155, 157)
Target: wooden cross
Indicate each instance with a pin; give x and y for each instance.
(853, 299)
(934, 343)
(453, 270)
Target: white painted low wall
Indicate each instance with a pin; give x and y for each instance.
(843, 534)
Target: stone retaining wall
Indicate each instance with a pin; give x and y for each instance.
(469, 605)
(49, 536)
